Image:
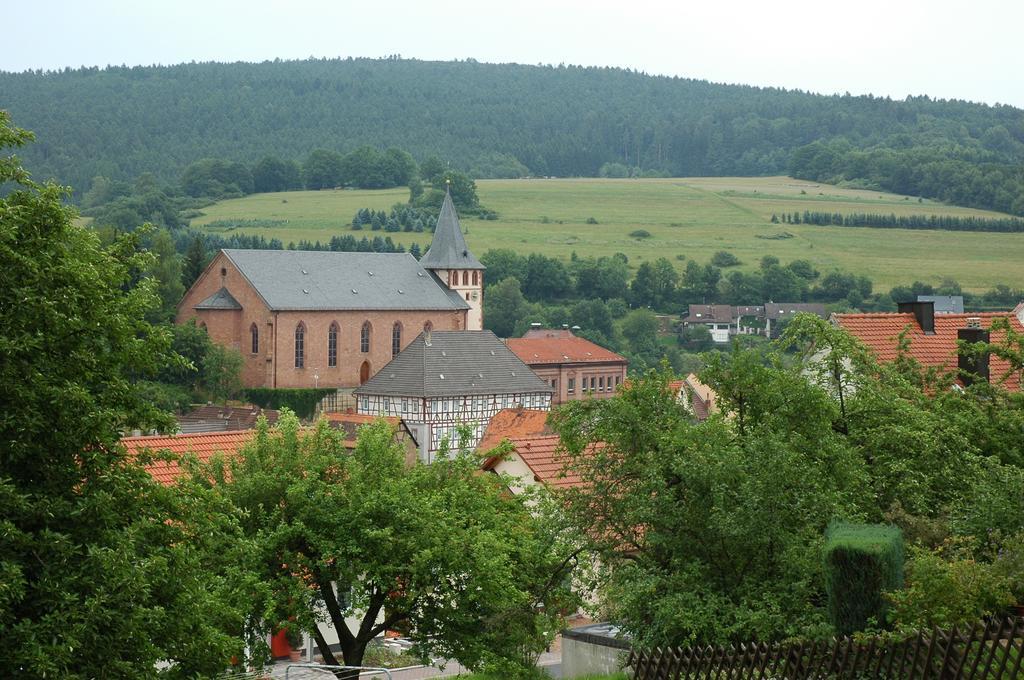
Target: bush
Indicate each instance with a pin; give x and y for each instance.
(948, 590)
(723, 258)
(862, 561)
(302, 401)
(640, 233)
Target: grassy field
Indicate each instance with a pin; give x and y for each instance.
(687, 218)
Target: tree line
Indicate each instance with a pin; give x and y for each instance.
(503, 120)
(893, 221)
(977, 174)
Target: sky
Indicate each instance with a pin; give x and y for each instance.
(942, 48)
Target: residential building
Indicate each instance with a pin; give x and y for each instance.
(332, 319)
(514, 422)
(532, 461)
(214, 418)
(933, 338)
(724, 321)
(695, 396)
(945, 304)
(350, 423)
(776, 313)
(575, 367)
(447, 379)
(203, 445)
(717, 318)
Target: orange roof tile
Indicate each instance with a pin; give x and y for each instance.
(880, 332)
(544, 458)
(559, 347)
(202, 445)
(512, 423)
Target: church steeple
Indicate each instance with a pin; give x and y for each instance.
(448, 249)
(454, 266)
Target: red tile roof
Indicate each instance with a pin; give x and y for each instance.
(879, 332)
(512, 423)
(544, 458)
(203, 445)
(559, 347)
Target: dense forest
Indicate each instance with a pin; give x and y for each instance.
(506, 120)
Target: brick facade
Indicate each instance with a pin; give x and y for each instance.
(273, 365)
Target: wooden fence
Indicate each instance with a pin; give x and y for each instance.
(990, 650)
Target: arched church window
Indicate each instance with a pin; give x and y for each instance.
(254, 336)
(465, 278)
(300, 345)
(475, 278)
(364, 337)
(332, 345)
(396, 338)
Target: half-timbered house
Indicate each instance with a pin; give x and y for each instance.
(447, 379)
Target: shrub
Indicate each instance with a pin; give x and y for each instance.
(640, 233)
(723, 258)
(861, 562)
(591, 220)
(948, 590)
(302, 401)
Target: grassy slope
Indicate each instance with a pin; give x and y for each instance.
(693, 217)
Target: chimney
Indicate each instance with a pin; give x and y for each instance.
(971, 365)
(924, 313)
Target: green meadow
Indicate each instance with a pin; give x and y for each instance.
(685, 217)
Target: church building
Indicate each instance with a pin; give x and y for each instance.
(333, 319)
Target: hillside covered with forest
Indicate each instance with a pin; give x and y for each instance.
(506, 120)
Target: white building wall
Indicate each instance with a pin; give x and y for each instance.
(440, 417)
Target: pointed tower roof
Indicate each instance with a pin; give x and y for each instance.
(448, 249)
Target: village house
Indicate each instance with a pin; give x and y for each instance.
(933, 338)
(333, 319)
(725, 321)
(575, 367)
(216, 418)
(447, 379)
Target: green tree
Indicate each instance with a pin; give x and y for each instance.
(222, 372)
(322, 170)
(640, 329)
(367, 524)
(195, 261)
(273, 174)
(168, 273)
(101, 575)
(709, 536)
(505, 307)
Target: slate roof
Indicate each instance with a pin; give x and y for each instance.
(879, 332)
(222, 299)
(455, 363)
(204, 446)
(448, 249)
(709, 314)
(787, 310)
(944, 304)
(324, 280)
(559, 347)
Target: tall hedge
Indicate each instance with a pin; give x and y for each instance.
(861, 562)
(302, 401)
